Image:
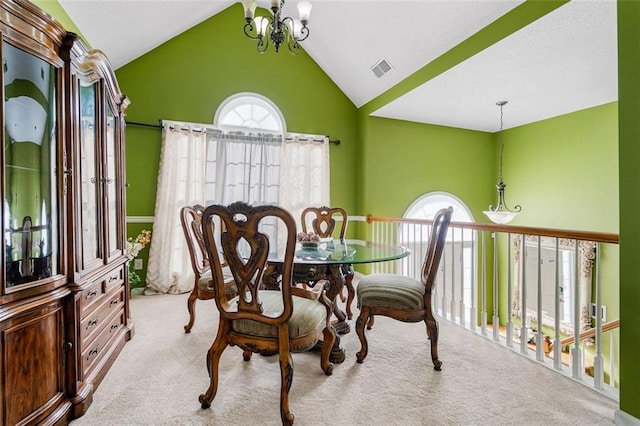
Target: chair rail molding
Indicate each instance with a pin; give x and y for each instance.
(140, 219)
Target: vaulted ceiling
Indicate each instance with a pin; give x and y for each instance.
(451, 60)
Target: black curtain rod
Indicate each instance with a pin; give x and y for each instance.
(158, 126)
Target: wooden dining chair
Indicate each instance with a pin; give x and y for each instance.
(404, 298)
(322, 221)
(285, 320)
(191, 220)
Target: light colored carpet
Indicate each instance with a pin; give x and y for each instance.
(161, 372)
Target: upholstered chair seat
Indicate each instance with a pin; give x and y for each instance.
(391, 291)
(308, 315)
(205, 282)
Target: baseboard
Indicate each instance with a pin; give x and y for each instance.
(624, 419)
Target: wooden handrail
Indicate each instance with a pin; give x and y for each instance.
(600, 237)
(590, 333)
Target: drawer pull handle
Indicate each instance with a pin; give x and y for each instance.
(113, 278)
(92, 353)
(92, 323)
(114, 302)
(92, 293)
(114, 327)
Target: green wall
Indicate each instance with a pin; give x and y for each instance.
(402, 160)
(186, 79)
(629, 154)
(563, 171)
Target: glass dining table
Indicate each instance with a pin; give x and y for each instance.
(332, 260)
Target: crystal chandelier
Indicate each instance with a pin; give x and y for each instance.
(501, 214)
(274, 28)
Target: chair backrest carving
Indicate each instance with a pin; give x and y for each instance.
(191, 219)
(437, 239)
(323, 220)
(246, 249)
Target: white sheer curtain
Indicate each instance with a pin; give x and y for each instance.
(181, 181)
(304, 173)
(243, 167)
(203, 165)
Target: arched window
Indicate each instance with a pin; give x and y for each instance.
(244, 111)
(426, 206)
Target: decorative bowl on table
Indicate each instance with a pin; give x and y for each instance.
(309, 245)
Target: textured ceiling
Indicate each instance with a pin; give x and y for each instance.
(563, 62)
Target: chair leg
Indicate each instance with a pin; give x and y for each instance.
(432, 333)
(286, 378)
(362, 320)
(191, 306)
(327, 345)
(246, 355)
(213, 362)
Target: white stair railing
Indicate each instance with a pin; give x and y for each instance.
(529, 289)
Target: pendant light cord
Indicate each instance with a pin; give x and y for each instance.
(501, 104)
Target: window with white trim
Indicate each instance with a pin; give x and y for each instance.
(245, 111)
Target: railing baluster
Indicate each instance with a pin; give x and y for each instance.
(452, 313)
(374, 238)
(462, 274)
(576, 353)
(524, 331)
(539, 345)
(387, 240)
(557, 349)
(495, 321)
(612, 359)
(483, 313)
(473, 312)
(443, 264)
(598, 362)
(509, 295)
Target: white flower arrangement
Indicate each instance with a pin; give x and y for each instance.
(132, 248)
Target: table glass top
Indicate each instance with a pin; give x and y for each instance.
(336, 251)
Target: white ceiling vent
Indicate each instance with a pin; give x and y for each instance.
(381, 68)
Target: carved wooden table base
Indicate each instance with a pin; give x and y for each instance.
(336, 274)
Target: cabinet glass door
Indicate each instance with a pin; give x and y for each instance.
(89, 175)
(30, 199)
(111, 183)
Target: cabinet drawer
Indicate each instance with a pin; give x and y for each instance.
(111, 305)
(93, 352)
(92, 296)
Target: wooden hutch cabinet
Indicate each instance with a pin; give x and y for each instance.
(64, 314)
